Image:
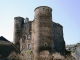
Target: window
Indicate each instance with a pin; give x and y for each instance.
(28, 36)
(45, 44)
(28, 46)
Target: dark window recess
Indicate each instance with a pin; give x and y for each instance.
(28, 46)
(45, 44)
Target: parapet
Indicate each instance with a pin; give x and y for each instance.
(43, 11)
(43, 7)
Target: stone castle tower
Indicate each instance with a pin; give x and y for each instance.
(40, 34)
(18, 28)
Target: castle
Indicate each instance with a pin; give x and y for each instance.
(40, 34)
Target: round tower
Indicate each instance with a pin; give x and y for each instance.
(18, 27)
(43, 29)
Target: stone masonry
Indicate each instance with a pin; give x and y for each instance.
(39, 35)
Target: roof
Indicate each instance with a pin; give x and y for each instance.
(3, 39)
(6, 47)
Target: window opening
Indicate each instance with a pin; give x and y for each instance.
(45, 44)
(28, 46)
(28, 36)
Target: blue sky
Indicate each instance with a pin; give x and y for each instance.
(65, 12)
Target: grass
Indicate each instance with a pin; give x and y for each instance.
(26, 52)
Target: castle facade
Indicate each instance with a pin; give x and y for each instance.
(40, 34)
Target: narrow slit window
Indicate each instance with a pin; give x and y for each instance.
(45, 44)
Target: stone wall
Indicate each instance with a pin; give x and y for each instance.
(41, 33)
(43, 29)
(58, 39)
(26, 36)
